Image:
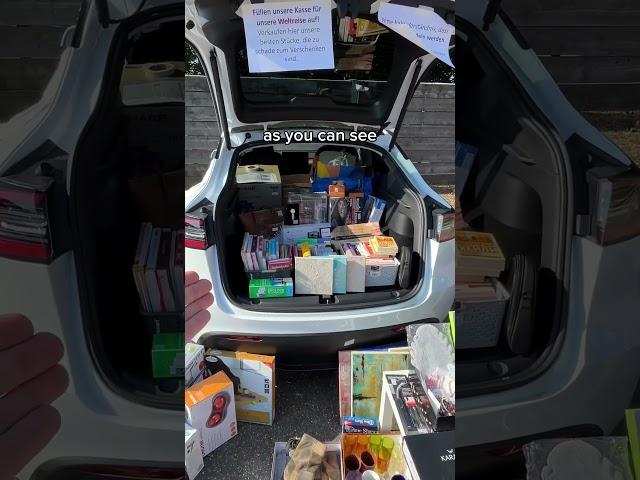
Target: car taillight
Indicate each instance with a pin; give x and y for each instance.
(444, 225)
(198, 229)
(614, 204)
(25, 231)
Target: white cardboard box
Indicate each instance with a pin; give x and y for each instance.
(193, 462)
(254, 381)
(193, 364)
(210, 408)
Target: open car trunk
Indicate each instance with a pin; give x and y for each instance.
(403, 219)
(516, 190)
(129, 169)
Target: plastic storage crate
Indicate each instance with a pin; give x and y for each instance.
(478, 324)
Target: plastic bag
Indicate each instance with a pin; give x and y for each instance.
(433, 356)
(597, 458)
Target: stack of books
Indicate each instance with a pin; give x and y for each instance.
(479, 262)
(158, 269)
(260, 254)
(384, 246)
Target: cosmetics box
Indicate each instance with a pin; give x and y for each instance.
(193, 462)
(210, 408)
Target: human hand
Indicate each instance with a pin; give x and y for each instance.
(198, 298)
(30, 380)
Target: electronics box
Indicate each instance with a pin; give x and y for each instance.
(253, 378)
(259, 187)
(210, 408)
(167, 355)
(193, 364)
(193, 462)
(291, 233)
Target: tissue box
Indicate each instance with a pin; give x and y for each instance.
(193, 364)
(193, 462)
(253, 377)
(210, 408)
(167, 355)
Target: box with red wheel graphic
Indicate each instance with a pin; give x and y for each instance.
(209, 407)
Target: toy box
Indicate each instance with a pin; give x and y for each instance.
(253, 378)
(210, 408)
(167, 355)
(193, 364)
(193, 462)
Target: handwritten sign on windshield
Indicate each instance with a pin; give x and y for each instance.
(288, 36)
(422, 26)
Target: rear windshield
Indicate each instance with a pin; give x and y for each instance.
(363, 52)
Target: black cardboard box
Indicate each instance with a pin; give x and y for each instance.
(431, 455)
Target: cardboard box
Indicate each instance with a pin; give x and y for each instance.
(167, 355)
(337, 189)
(291, 233)
(193, 462)
(270, 287)
(259, 187)
(430, 455)
(193, 364)
(253, 378)
(210, 408)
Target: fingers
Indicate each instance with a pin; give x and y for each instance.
(190, 278)
(201, 303)
(28, 359)
(15, 329)
(38, 391)
(26, 438)
(196, 290)
(195, 324)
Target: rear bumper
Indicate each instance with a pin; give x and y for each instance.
(305, 352)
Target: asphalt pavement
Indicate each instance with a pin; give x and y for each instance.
(306, 402)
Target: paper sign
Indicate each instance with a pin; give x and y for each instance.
(422, 26)
(288, 36)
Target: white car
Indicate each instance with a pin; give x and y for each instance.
(309, 330)
(552, 187)
(62, 163)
